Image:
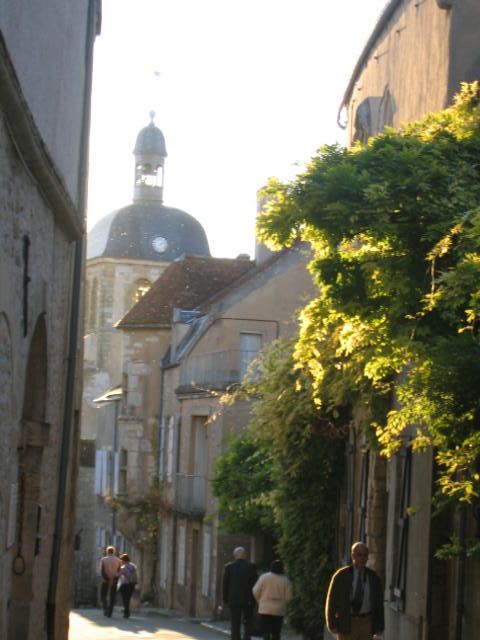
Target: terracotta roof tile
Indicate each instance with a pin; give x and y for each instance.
(184, 284)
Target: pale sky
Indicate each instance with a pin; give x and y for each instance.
(242, 90)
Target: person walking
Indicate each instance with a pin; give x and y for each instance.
(273, 592)
(127, 579)
(109, 567)
(238, 579)
(354, 605)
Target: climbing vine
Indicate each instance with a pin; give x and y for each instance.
(395, 227)
(243, 483)
(300, 451)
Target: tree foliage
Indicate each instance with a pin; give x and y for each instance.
(395, 226)
(303, 451)
(242, 483)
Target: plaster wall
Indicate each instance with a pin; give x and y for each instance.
(410, 58)
(264, 305)
(48, 53)
(267, 305)
(275, 294)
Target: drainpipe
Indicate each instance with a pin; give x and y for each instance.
(94, 9)
(160, 453)
(161, 428)
(116, 404)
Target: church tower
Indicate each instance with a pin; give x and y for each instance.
(127, 251)
(150, 153)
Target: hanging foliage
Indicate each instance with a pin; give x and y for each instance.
(242, 483)
(395, 226)
(300, 448)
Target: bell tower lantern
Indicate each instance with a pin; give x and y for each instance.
(150, 153)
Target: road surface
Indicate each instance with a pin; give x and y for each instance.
(91, 624)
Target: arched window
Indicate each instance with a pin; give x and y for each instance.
(386, 110)
(140, 288)
(363, 122)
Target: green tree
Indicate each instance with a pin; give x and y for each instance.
(242, 483)
(395, 226)
(302, 449)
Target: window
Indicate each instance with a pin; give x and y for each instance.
(386, 110)
(181, 555)
(250, 345)
(404, 457)
(119, 542)
(206, 563)
(349, 495)
(164, 555)
(101, 471)
(101, 539)
(140, 288)
(121, 464)
(170, 441)
(362, 507)
(363, 122)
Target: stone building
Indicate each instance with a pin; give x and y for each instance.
(149, 329)
(45, 85)
(414, 61)
(184, 351)
(127, 251)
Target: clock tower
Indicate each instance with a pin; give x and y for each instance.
(127, 250)
(150, 153)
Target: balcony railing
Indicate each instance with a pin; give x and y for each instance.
(216, 370)
(190, 494)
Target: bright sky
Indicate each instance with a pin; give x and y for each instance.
(242, 90)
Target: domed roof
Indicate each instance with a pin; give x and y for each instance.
(147, 231)
(150, 141)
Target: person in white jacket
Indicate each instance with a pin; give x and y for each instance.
(273, 592)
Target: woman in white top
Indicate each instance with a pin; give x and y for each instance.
(272, 591)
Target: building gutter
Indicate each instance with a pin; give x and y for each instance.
(92, 30)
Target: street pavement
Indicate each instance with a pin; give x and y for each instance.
(145, 623)
(91, 624)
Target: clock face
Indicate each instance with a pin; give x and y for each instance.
(159, 244)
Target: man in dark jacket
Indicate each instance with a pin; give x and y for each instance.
(238, 580)
(354, 607)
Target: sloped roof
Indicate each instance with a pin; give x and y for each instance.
(257, 276)
(257, 269)
(184, 284)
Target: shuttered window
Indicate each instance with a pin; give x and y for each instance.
(399, 586)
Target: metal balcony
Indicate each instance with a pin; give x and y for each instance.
(216, 370)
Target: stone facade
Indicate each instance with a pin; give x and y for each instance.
(127, 251)
(415, 60)
(42, 200)
(205, 348)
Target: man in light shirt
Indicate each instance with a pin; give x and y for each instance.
(354, 607)
(109, 567)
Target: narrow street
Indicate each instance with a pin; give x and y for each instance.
(91, 624)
